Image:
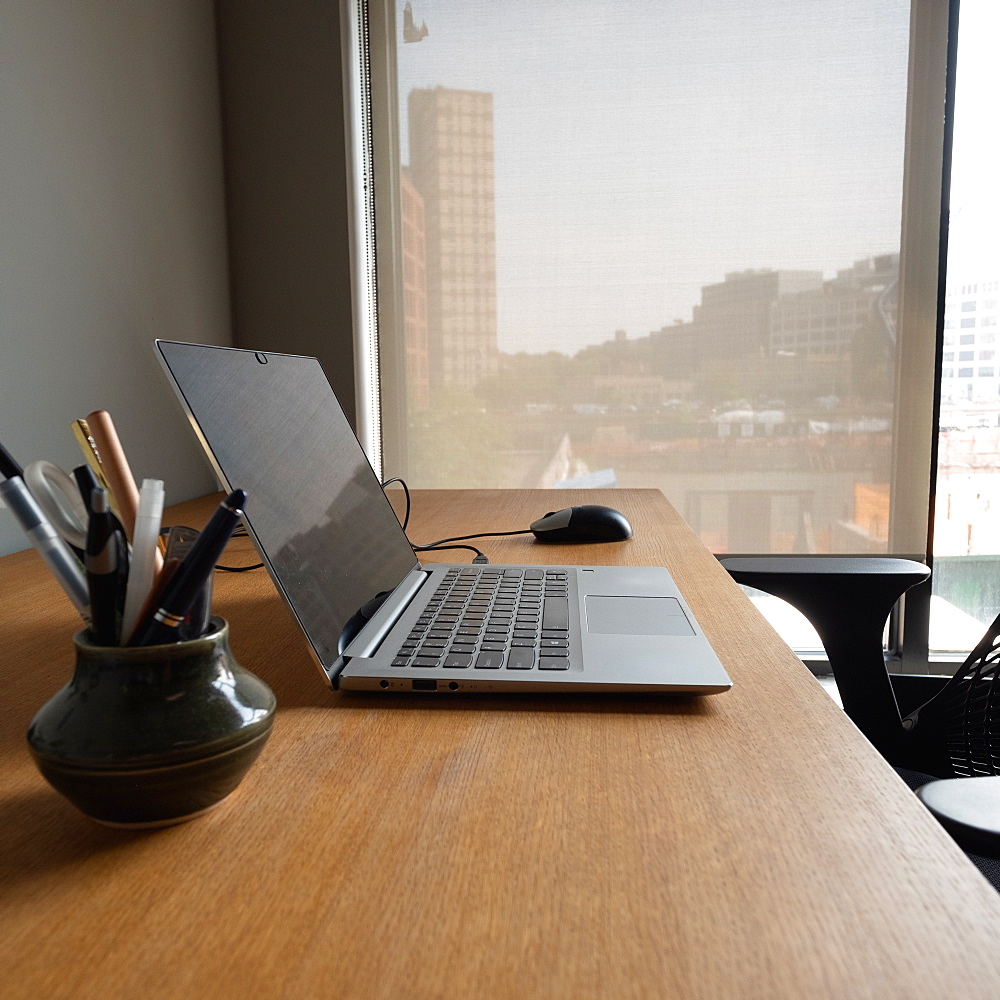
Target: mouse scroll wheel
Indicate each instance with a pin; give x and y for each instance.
(550, 513)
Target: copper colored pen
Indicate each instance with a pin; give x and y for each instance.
(155, 593)
(116, 468)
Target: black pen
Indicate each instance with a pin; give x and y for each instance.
(179, 542)
(182, 590)
(106, 561)
(8, 466)
(86, 483)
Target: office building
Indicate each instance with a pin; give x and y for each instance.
(859, 304)
(969, 370)
(451, 166)
(414, 258)
(734, 317)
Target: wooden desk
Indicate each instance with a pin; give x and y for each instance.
(745, 845)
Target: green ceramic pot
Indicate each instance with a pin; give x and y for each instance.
(152, 735)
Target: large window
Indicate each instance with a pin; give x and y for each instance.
(690, 246)
(651, 245)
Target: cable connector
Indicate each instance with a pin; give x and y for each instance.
(481, 560)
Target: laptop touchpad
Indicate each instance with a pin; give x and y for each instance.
(636, 616)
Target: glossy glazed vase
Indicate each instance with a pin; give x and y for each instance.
(152, 735)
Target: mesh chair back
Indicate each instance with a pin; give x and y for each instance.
(958, 730)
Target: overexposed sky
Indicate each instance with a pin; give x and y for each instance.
(974, 237)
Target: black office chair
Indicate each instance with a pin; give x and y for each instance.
(954, 733)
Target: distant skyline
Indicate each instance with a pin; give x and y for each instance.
(767, 136)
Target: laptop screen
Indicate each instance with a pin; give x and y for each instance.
(274, 428)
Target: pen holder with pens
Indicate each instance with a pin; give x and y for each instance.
(146, 736)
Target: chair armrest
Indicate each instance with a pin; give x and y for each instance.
(847, 599)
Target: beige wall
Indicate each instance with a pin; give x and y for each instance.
(112, 225)
(134, 208)
(286, 181)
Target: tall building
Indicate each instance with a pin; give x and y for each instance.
(969, 366)
(415, 294)
(451, 166)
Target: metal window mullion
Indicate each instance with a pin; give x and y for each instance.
(917, 352)
(361, 219)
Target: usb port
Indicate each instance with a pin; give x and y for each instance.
(421, 685)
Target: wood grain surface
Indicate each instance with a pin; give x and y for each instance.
(746, 845)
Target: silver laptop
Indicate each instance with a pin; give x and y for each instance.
(375, 619)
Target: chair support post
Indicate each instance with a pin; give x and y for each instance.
(847, 599)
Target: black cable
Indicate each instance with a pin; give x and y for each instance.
(238, 569)
(463, 538)
(481, 557)
(406, 492)
(443, 543)
(239, 533)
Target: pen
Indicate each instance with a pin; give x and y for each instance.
(81, 431)
(179, 542)
(155, 592)
(182, 590)
(146, 558)
(8, 466)
(53, 550)
(86, 483)
(107, 570)
(115, 467)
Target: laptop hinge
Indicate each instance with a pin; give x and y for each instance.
(368, 640)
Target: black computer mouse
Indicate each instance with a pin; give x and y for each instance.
(589, 523)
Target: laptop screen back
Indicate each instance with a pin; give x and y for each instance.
(274, 427)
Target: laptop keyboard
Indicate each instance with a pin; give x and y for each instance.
(493, 619)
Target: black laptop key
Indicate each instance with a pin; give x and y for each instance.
(521, 658)
(555, 643)
(458, 660)
(460, 648)
(555, 613)
(493, 647)
(489, 661)
(424, 661)
(550, 653)
(401, 661)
